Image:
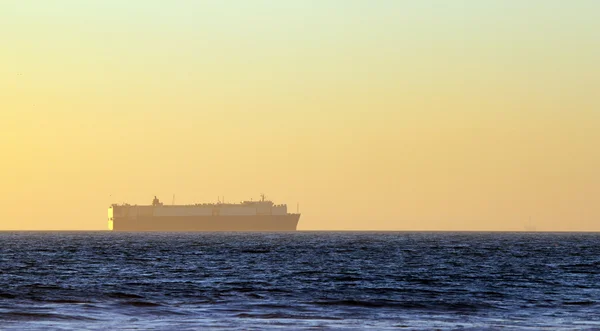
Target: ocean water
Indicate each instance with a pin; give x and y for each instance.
(303, 280)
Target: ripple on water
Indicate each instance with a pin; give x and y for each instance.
(299, 280)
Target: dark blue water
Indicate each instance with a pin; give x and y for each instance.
(299, 280)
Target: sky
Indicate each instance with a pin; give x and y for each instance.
(371, 115)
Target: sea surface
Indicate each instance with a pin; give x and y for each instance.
(302, 280)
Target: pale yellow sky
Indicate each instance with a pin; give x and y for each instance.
(373, 115)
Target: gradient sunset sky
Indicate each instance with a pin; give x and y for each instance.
(373, 115)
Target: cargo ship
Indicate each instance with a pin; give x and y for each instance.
(261, 215)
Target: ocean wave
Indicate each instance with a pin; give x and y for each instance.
(139, 303)
(29, 316)
(426, 305)
(122, 295)
(279, 315)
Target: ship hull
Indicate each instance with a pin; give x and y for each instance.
(262, 223)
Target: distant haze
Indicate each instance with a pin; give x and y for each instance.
(373, 115)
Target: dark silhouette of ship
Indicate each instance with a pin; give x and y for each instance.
(262, 215)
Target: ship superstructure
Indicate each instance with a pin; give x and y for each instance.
(261, 215)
